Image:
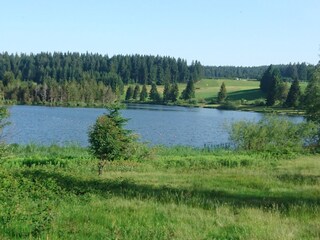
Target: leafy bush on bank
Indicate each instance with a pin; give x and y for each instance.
(279, 135)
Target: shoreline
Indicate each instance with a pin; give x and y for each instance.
(243, 108)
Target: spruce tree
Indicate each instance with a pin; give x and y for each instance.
(174, 93)
(293, 95)
(188, 92)
(265, 81)
(274, 92)
(222, 95)
(129, 93)
(154, 94)
(136, 92)
(166, 92)
(144, 93)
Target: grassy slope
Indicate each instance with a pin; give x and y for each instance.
(177, 193)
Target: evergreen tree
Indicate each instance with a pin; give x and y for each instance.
(266, 80)
(167, 92)
(136, 92)
(154, 94)
(274, 92)
(311, 101)
(293, 95)
(108, 138)
(188, 92)
(174, 93)
(144, 93)
(222, 95)
(129, 93)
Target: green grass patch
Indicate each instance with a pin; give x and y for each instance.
(176, 193)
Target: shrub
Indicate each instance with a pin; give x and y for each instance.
(277, 134)
(260, 102)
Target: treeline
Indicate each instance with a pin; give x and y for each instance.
(288, 72)
(85, 79)
(140, 69)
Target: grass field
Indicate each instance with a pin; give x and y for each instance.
(175, 193)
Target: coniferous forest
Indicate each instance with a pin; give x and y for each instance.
(60, 78)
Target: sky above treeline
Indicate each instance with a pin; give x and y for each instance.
(214, 32)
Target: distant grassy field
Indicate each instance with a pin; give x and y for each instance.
(237, 89)
(175, 193)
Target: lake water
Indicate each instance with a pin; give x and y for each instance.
(155, 124)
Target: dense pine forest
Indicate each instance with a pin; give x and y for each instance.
(85, 78)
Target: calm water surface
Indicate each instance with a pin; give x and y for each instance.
(155, 124)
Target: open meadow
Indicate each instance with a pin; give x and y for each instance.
(174, 193)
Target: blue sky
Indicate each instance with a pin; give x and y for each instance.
(224, 32)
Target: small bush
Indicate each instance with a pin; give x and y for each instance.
(260, 102)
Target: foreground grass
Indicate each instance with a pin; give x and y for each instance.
(176, 193)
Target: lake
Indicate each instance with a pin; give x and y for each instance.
(156, 124)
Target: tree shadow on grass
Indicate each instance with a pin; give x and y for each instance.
(248, 95)
(198, 198)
